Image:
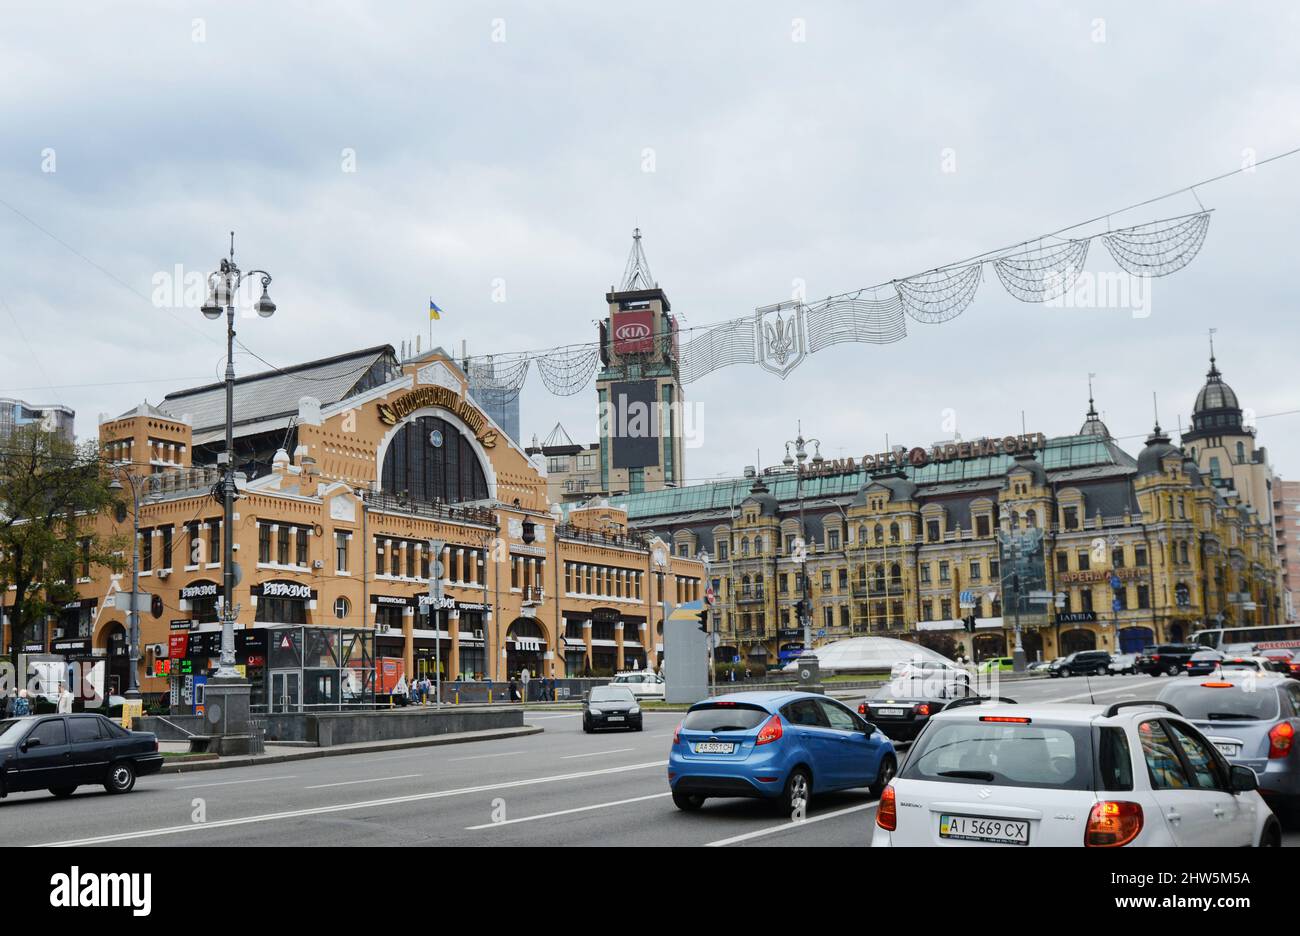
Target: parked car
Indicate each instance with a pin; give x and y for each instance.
(1253, 722)
(784, 747)
(1122, 664)
(62, 752)
(1203, 663)
(1081, 663)
(1259, 665)
(1293, 666)
(901, 707)
(1038, 666)
(929, 669)
(1131, 774)
(1165, 659)
(644, 685)
(996, 664)
(610, 707)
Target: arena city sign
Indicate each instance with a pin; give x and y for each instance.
(919, 456)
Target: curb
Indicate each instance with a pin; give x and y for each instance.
(463, 737)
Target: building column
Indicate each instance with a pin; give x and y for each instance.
(618, 655)
(408, 643)
(452, 665)
(586, 639)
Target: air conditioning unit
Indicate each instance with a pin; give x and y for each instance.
(478, 635)
(159, 650)
(164, 573)
(317, 564)
(58, 632)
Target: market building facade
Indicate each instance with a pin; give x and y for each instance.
(333, 546)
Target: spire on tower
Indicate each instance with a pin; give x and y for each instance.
(636, 275)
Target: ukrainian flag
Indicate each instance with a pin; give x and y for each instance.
(435, 313)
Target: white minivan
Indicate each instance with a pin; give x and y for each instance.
(1133, 773)
(644, 684)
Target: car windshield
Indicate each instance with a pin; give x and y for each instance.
(11, 729)
(725, 716)
(1247, 702)
(1004, 754)
(930, 686)
(1202, 655)
(611, 694)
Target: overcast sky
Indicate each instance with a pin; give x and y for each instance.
(788, 141)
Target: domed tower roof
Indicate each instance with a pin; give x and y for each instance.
(1156, 451)
(1092, 425)
(760, 495)
(1217, 411)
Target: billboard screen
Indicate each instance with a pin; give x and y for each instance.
(633, 331)
(631, 423)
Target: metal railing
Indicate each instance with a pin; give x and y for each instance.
(434, 510)
(626, 540)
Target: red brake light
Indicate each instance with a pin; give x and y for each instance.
(923, 708)
(887, 811)
(771, 731)
(677, 734)
(724, 704)
(1111, 824)
(1217, 685)
(1280, 738)
(862, 708)
(1004, 718)
(1155, 656)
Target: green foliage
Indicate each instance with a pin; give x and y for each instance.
(51, 494)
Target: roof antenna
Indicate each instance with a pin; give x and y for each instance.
(1155, 409)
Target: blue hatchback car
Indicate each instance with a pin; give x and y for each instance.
(780, 746)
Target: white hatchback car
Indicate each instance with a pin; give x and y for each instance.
(1133, 773)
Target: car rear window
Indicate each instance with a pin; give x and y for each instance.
(1033, 755)
(612, 694)
(1248, 702)
(732, 716)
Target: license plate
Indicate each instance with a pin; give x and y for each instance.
(979, 829)
(614, 718)
(714, 747)
(1229, 750)
(891, 712)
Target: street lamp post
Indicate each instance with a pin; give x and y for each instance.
(227, 686)
(1014, 550)
(133, 625)
(805, 604)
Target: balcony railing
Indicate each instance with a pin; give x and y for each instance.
(434, 510)
(626, 540)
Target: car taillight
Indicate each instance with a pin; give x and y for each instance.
(1280, 738)
(923, 708)
(771, 731)
(677, 734)
(862, 709)
(1154, 657)
(1111, 824)
(887, 811)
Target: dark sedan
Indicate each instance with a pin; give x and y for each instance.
(1166, 659)
(902, 707)
(1203, 663)
(610, 707)
(62, 752)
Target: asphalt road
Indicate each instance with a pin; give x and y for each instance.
(561, 787)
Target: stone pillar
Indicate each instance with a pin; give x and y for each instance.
(618, 655)
(452, 665)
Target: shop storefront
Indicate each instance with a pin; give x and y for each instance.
(193, 655)
(525, 647)
(283, 602)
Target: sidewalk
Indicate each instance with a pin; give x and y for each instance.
(283, 753)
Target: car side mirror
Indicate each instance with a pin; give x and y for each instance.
(869, 729)
(1243, 779)
(30, 742)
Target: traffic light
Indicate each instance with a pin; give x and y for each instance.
(704, 620)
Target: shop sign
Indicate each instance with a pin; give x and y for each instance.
(1093, 576)
(390, 414)
(203, 590)
(920, 456)
(392, 601)
(79, 645)
(1076, 617)
(294, 590)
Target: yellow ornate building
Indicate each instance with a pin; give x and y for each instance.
(359, 462)
(1082, 544)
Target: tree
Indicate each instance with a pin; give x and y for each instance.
(940, 643)
(51, 494)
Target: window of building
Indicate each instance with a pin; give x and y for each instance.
(927, 610)
(832, 539)
(932, 531)
(925, 573)
(1084, 564)
(166, 548)
(341, 608)
(1062, 561)
(1144, 597)
(300, 546)
(1117, 557)
(214, 540)
(1139, 556)
(826, 580)
(1071, 518)
(1214, 467)
(944, 573)
(945, 607)
(282, 544)
(982, 525)
(995, 569)
(146, 550)
(975, 570)
(264, 542)
(1085, 599)
(844, 579)
(340, 552)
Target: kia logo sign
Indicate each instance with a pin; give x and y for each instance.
(632, 331)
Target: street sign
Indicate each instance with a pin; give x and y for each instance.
(1115, 582)
(122, 601)
(709, 597)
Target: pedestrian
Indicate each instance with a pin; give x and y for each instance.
(65, 699)
(21, 705)
(399, 690)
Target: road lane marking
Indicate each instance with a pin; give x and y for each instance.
(197, 786)
(345, 807)
(622, 750)
(790, 826)
(322, 786)
(566, 812)
(481, 756)
(548, 717)
(1088, 695)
